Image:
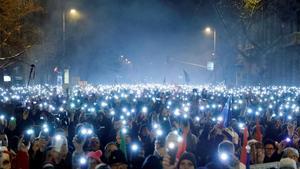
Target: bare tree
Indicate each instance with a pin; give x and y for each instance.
(18, 29)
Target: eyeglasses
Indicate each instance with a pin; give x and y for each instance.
(269, 148)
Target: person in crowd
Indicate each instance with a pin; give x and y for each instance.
(159, 148)
(5, 160)
(94, 158)
(53, 158)
(257, 152)
(117, 160)
(271, 152)
(291, 153)
(187, 161)
(287, 163)
(110, 147)
(226, 153)
(152, 161)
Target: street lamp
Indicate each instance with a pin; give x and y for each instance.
(209, 31)
(212, 31)
(67, 14)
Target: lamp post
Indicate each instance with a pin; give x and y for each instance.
(73, 14)
(209, 31)
(212, 31)
(66, 14)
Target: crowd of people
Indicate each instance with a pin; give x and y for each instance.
(149, 126)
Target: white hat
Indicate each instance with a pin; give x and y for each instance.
(287, 163)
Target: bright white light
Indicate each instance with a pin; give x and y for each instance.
(185, 116)
(186, 109)
(72, 105)
(224, 156)
(6, 78)
(241, 125)
(280, 114)
(220, 118)
(208, 30)
(171, 145)
(103, 104)
(58, 137)
(82, 161)
(289, 117)
(112, 112)
(30, 131)
(2, 117)
(45, 125)
(12, 118)
(177, 112)
(83, 131)
(155, 126)
(197, 118)
(144, 109)
(61, 109)
(159, 132)
(124, 130)
(46, 130)
(240, 101)
(249, 110)
(179, 139)
(134, 147)
(202, 108)
(89, 131)
(124, 109)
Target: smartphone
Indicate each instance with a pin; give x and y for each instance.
(172, 151)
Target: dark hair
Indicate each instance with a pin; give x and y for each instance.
(152, 162)
(269, 141)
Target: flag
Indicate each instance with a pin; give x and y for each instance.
(123, 144)
(182, 145)
(243, 158)
(258, 134)
(226, 113)
(186, 77)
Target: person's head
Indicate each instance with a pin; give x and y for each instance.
(43, 140)
(277, 124)
(291, 153)
(269, 148)
(117, 160)
(25, 115)
(287, 163)
(187, 161)
(152, 162)
(94, 143)
(3, 139)
(52, 155)
(110, 147)
(226, 146)
(60, 143)
(102, 166)
(257, 152)
(5, 161)
(94, 159)
(159, 146)
(144, 131)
